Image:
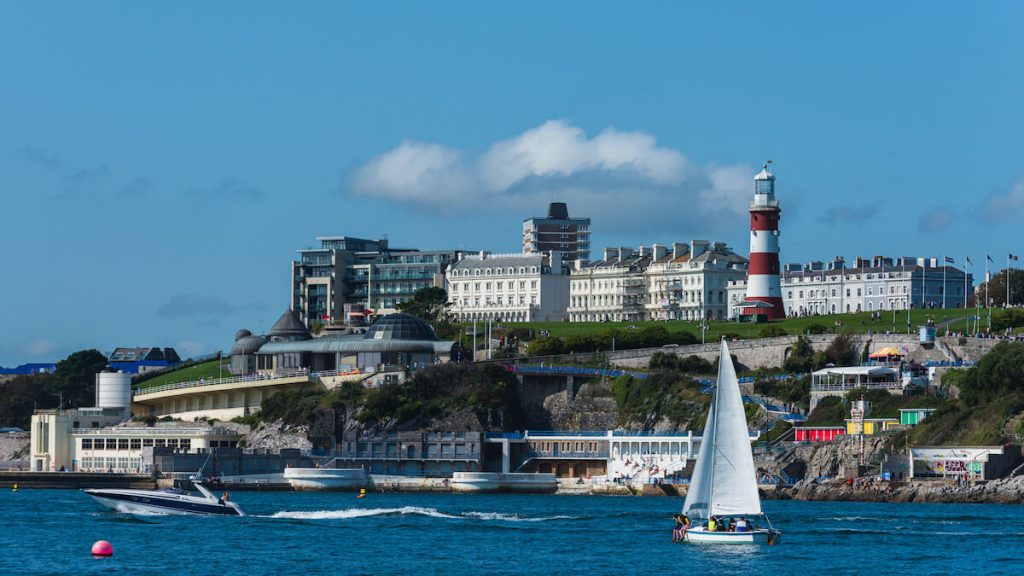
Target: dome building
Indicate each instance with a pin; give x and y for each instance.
(243, 352)
(396, 341)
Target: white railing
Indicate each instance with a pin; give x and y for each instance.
(839, 387)
(258, 377)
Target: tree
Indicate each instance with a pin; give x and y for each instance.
(842, 351)
(75, 378)
(801, 357)
(21, 395)
(997, 288)
(427, 303)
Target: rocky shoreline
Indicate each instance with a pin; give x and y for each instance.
(1002, 491)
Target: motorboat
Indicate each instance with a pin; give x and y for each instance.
(723, 485)
(167, 501)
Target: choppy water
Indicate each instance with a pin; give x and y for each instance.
(51, 532)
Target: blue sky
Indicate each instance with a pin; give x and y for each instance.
(160, 163)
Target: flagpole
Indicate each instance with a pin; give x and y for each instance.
(1007, 278)
(944, 287)
(965, 281)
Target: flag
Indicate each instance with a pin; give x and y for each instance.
(989, 258)
(949, 260)
(967, 261)
(1014, 258)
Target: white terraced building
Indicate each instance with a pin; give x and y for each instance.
(612, 289)
(878, 284)
(692, 283)
(508, 287)
(687, 282)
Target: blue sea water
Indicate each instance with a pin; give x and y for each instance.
(52, 531)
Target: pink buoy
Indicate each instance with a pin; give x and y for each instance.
(102, 548)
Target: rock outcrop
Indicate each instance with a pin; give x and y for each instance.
(1003, 491)
(276, 436)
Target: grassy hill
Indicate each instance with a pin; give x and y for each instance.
(191, 373)
(860, 323)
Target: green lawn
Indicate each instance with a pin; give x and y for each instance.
(850, 323)
(192, 373)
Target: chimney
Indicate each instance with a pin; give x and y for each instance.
(698, 247)
(660, 250)
(680, 249)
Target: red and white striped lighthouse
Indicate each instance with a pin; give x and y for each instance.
(764, 288)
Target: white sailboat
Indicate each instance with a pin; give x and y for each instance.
(723, 485)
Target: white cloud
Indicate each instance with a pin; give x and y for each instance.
(1002, 207)
(40, 347)
(935, 220)
(621, 179)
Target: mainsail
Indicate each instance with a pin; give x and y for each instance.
(723, 481)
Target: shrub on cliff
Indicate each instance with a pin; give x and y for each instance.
(771, 331)
(664, 394)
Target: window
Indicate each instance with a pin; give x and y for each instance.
(111, 444)
(147, 441)
(122, 443)
(136, 443)
(533, 284)
(86, 443)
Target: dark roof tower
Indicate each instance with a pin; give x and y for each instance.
(288, 328)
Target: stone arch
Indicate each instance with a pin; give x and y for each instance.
(579, 470)
(563, 470)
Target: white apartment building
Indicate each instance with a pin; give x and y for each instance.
(612, 289)
(878, 284)
(508, 287)
(687, 282)
(692, 283)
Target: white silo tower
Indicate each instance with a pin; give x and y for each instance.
(114, 390)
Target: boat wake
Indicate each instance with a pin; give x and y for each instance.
(351, 513)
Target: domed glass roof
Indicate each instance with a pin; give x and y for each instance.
(400, 327)
(247, 345)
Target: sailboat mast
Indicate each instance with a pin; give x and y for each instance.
(714, 405)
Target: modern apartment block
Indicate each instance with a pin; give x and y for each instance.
(508, 287)
(570, 236)
(870, 285)
(346, 278)
(687, 282)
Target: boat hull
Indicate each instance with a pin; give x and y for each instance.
(143, 502)
(700, 535)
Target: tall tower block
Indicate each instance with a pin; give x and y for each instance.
(764, 287)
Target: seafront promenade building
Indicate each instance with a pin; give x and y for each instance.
(508, 287)
(653, 282)
(347, 279)
(870, 285)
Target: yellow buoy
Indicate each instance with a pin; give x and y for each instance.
(362, 493)
(15, 487)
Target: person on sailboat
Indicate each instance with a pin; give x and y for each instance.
(712, 524)
(677, 532)
(741, 525)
